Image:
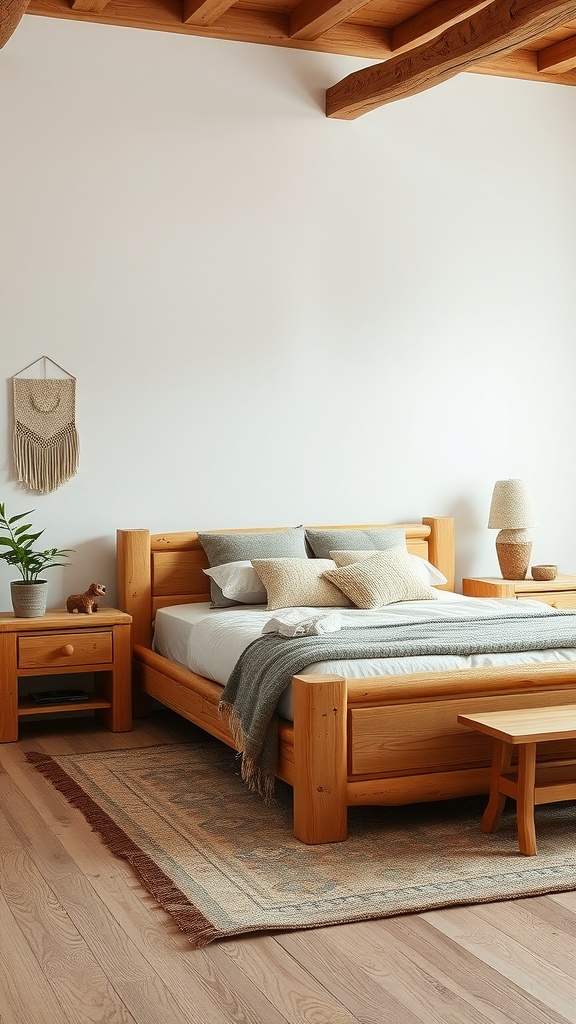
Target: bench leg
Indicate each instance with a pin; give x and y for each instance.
(500, 764)
(525, 799)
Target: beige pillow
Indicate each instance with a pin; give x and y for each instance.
(342, 558)
(427, 572)
(383, 578)
(298, 583)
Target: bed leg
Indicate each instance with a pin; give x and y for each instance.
(141, 702)
(320, 761)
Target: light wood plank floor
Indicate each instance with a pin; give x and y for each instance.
(81, 941)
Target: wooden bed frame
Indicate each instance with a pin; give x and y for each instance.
(384, 740)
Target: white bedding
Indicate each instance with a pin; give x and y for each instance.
(209, 641)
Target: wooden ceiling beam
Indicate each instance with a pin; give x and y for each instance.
(351, 38)
(204, 12)
(522, 64)
(86, 6)
(424, 25)
(498, 29)
(312, 18)
(559, 57)
(11, 12)
(247, 26)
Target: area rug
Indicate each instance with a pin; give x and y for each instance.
(223, 863)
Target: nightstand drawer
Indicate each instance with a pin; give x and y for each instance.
(558, 600)
(67, 649)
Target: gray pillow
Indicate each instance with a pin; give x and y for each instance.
(322, 542)
(235, 547)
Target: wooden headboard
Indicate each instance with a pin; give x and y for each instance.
(157, 570)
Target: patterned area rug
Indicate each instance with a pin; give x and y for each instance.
(222, 863)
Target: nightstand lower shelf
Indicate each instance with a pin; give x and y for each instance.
(26, 706)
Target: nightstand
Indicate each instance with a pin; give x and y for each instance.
(57, 644)
(560, 593)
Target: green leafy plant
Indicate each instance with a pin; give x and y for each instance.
(16, 547)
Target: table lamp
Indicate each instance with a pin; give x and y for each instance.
(512, 513)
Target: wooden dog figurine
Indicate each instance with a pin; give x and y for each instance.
(88, 601)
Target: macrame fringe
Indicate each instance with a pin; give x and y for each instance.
(45, 465)
(198, 929)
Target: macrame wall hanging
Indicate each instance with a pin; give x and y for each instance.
(45, 437)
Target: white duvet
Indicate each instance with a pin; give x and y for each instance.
(209, 641)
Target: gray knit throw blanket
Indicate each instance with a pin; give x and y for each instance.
(266, 667)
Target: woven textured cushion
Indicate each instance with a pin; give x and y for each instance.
(222, 548)
(298, 583)
(428, 573)
(380, 579)
(379, 539)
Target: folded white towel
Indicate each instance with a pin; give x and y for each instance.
(294, 622)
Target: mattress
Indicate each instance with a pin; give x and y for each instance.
(209, 641)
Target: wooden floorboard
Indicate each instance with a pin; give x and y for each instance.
(82, 941)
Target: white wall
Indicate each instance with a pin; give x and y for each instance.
(277, 318)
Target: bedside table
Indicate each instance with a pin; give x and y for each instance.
(57, 644)
(560, 593)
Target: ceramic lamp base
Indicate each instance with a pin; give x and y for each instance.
(513, 548)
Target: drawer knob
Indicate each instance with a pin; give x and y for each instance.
(68, 649)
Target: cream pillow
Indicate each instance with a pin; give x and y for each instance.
(427, 572)
(238, 582)
(298, 583)
(383, 578)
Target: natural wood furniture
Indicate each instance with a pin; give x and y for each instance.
(560, 593)
(57, 644)
(524, 729)
(383, 740)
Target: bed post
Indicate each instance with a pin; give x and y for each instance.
(133, 566)
(135, 582)
(441, 547)
(320, 759)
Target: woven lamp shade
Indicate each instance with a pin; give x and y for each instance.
(511, 507)
(512, 513)
(10, 13)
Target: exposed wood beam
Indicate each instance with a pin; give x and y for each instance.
(89, 5)
(248, 26)
(263, 26)
(559, 57)
(10, 13)
(522, 64)
(500, 28)
(204, 12)
(311, 18)
(424, 25)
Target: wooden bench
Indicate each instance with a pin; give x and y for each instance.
(524, 729)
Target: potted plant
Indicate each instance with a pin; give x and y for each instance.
(17, 548)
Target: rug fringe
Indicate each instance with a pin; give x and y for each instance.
(197, 928)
